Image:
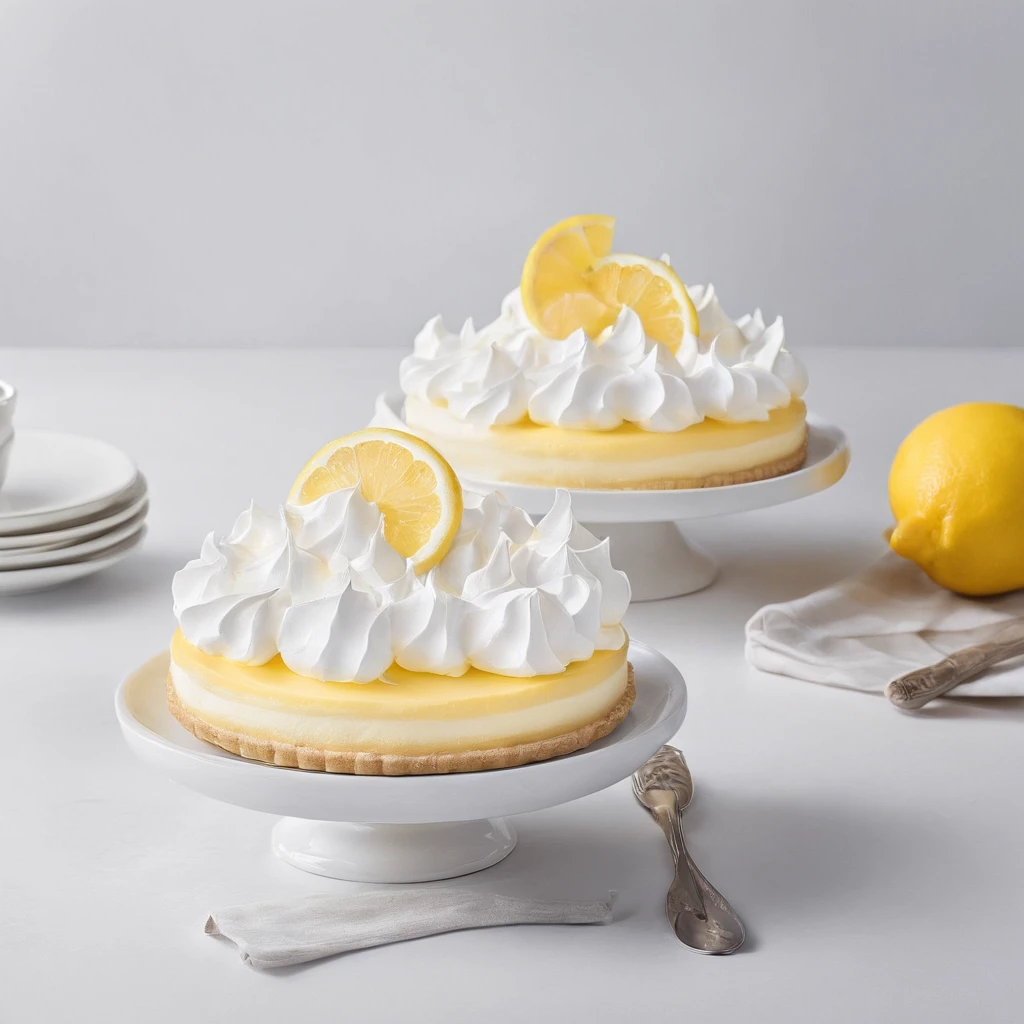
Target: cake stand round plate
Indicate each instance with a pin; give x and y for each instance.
(646, 542)
(410, 828)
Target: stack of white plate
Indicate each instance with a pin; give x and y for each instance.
(70, 506)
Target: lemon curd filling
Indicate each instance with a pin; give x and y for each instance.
(403, 712)
(627, 456)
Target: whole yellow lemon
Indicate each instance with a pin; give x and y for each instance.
(957, 491)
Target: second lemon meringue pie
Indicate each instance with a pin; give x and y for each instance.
(605, 371)
(382, 622)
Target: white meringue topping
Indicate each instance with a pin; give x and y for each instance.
(509, 371)
(320, 585)
(231, 600)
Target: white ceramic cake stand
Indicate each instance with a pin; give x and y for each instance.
(411, 828)
(646, 542)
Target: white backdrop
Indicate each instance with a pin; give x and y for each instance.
(267, 172)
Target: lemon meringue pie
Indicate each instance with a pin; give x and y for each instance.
(605, 371)
(315, 637)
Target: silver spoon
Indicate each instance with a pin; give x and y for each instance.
(699, 914)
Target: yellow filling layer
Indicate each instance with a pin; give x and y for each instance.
(414, 714)
(625, 457)
(621, 444)
(399, 694)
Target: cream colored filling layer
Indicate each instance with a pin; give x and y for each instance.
(417, 719)
(530, 453)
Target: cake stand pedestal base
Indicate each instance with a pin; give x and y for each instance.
(360, 852)
(659, 561)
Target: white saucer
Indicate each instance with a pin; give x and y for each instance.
(437, 826)
(28, 581)
(34, 559)
(56, 478)
(135, 501)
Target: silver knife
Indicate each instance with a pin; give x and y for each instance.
(917, 688)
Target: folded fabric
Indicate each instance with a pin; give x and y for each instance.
(286, 932)
(880, 624)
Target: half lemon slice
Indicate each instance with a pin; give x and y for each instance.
(417, 492)
(554, 282)
(652, 289)
(572, 279)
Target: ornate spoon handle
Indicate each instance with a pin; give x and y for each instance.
(916, 689)
(685, 892)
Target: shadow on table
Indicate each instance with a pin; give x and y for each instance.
(1004, 708)
(754, 572)
(138, 577)
(779, 861)
(779, 858)
(784, 569)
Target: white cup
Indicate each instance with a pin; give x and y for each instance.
(8, 399)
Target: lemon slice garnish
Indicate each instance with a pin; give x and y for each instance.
(572, 279)
(417, 492)
(652, 289)
(553, 286)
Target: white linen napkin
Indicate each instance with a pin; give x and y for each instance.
(876, 626)
(286, 932)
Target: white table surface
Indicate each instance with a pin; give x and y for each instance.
(876, 858)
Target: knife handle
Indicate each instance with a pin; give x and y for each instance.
(916, 689)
